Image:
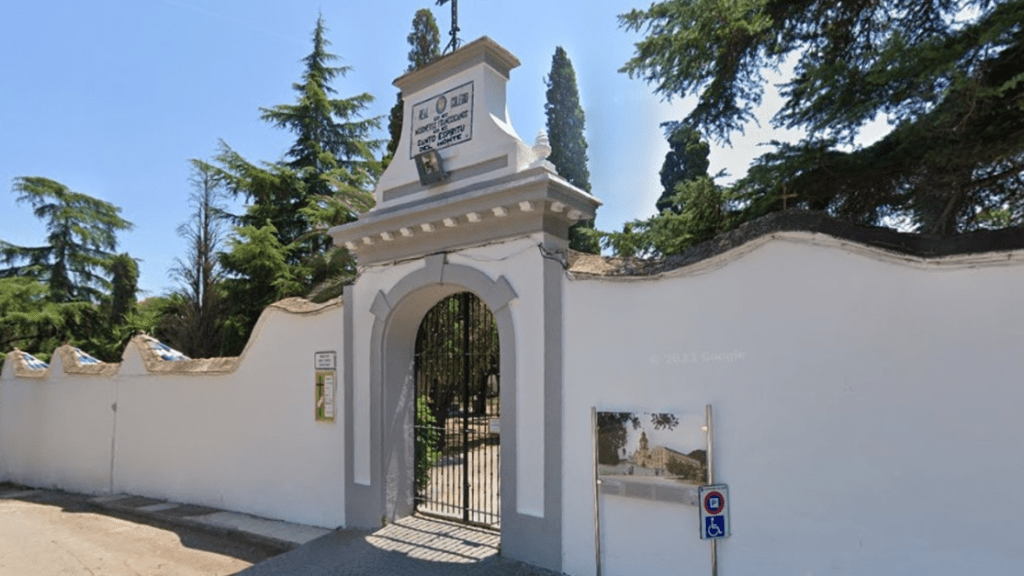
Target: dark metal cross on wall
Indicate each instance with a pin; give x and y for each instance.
(453, 44)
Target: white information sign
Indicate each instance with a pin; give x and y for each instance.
(325, 360)
(714, 511)
(443, 120)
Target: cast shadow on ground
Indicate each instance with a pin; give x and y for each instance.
(207, 539)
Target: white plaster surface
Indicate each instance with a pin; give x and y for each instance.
(56, 435)
(493, 135)
(244, 441)
(866, 413)
(372, 280)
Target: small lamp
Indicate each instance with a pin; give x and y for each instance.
(430, 168)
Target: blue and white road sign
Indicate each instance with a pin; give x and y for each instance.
(714, 526)
(714, 511)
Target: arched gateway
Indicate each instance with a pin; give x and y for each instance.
(399, 329)
(457, 407)
(466, 210)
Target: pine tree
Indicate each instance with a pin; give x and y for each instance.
(700, 210)
(32, 322)
(259, 275)
(332, 154)
(326, 179)
(332, 143)
(424, 40)
(75, 288)
(946, 74)
(80, 244)
(566, 123)
(425, 48)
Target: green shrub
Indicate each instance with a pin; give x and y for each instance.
(428, 436)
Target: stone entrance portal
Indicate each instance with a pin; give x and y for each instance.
(465, 206)
(457, 378)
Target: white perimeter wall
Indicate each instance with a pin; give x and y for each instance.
(57, 433)
(870, 421)
(245, 441)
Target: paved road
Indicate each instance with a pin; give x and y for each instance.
(45, 532)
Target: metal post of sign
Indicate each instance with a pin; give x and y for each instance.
(711, 479)
(597, 492)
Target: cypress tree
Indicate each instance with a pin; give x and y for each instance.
(686, 160)
(566, 123)
(424, 48)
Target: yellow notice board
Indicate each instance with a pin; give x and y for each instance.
(326, 386)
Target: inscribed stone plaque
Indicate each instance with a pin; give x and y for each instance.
(443, 120)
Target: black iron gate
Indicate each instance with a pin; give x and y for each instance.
(457, 409)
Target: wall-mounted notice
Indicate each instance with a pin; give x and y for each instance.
(326, 382)
(652, 455)
(443, 120)
(327, 360)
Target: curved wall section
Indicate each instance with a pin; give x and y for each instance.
(861, 399)
(237, 434)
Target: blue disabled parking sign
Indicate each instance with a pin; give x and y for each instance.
(714, 526)
(714, 511)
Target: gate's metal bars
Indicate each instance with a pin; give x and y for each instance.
(466, 327)
(457, 384)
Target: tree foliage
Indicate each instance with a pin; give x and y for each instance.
(326, 178)
(332, 145)
(124, 286)
(698, 211)
(197, 312)
(566, 124)
(329, 132)
(424, 48)
(428, 438)
(686, 160)
(948, 74)
(30, 321)
(76, 288)
(424, 40)
(258, 275)
(80, 242)
(691, 209)
(612, 431)
(331, 157)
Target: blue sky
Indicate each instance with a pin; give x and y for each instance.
(113, 97)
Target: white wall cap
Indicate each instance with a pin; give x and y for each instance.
(458, 107)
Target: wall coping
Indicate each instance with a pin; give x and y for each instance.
(986, 247)
(65, 359)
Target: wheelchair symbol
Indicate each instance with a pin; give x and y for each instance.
(714, 526)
